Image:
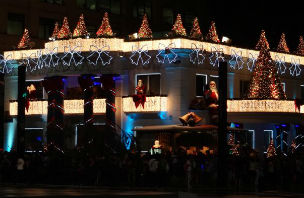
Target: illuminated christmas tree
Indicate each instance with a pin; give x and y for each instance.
(212, 35)
(300, 49)
(196, 30)
(271, 152)
(231, 140)
(282, 47)
(80, 29)
(144, 30)
(55, 31)
(25, 40)
(265, 82)
(178, 28)
(262, 41)
(105, 29)
(64, 32)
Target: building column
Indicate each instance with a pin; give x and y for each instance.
(54, 87)
(108, 83)
(21, 109)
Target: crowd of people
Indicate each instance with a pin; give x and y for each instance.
(249, 171)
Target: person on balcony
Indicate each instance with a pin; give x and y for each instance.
(140, 96)
(211, 97)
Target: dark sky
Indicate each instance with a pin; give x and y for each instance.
(243, 21)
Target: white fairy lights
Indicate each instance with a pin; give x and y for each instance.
(152, 104)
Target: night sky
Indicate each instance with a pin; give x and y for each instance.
(243, 21)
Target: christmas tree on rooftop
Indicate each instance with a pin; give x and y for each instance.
(25, 40)
(80, 29)
(282, 46)
(262, 41)
(196, 30)
(64, 32)
(105, 29)
(212, 35)
(55, 31)
(144, 30)
(265, 82)
(300, 49)
(178, 28)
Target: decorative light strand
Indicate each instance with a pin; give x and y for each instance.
(216, 56)
(236, 59)
(4, 64)
(280, 63)
(140, 54)
(295, 69)
(102, 55)
(72, 52)
(251, 61)
(166, 52)
(196, 55)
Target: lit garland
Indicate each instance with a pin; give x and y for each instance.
(152, 104)
(295, 69)
(197, 54)
(216, 56)
(282, 46)
(251, 61)
(140, 54)
(236, 59)
(166, 52)
(74, 54)
(5, 65)
(280, 63)
(178, 27)
(101, 54)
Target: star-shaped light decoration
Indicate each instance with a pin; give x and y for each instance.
(166, 52)
(31, 61)
(280, 63)
(99, 54)
(140, 54)
(197, 54)
(72, 54)
(251, 61)
(295, 69)
(51, 59)
(216, 56)
(236, 61)
(5, 64)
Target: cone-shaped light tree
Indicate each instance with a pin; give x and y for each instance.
(212, 34)
(105, 29)
(282, 46)
(144, 30)
(64, 31)
(178, 28)
(196, 30)
(80, 29)
(25, 40)
(55, 31)
(271, 151)
(265, 82)
(300, 49)
(262, 41)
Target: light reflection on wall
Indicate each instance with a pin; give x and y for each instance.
(9, 135)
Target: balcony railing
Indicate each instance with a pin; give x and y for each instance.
(152, 104)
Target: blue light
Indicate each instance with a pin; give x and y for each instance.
(237, 125)
(231, 84)
(232, 125)
(97, 83)
(127, 134)
(283, 125)
(297, 126)
(9, 135)
(162, 115)
(277, 127)
(116, 78)
(39, 138)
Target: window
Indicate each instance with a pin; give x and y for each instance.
(244, 85)
(46, 27)
(15, 24)
(58, 2)
(87, 4)
(168, 16)
(92, 30)
(151, 82)
(284, 86)
(201, 84)
(112, 6)
(268, 135)
(142, 7)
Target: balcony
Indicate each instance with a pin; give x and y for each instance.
(152, 104)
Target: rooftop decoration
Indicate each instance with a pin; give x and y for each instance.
(212, 35)
(144, 31)
(178, 28)
(282, 46)
(25, 40)
(64, 32)
(300, 49)
(80, 30)
(105, 29)
(262, 42)
(196, 30)
(55, 31)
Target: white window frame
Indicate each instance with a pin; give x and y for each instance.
(147, 74)
(198, 74)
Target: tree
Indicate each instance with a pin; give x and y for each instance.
(25, 40)
(271, 151)
(55, 31)
(178, 28)
(144, 30)
(282, 46)
(265, 82)
(262, 41)
(196, 30)
(80, 29)
(300, 49)
(212, 35)
(105, 29)
(231, 139)
(64, 31)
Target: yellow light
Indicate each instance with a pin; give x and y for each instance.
(116, 44)
(152, 104)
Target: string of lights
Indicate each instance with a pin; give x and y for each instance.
(216, 56)
(166, 52)
(236, 59)
(197, 54)
(140, 55)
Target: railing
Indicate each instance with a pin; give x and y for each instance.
(152, 104)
